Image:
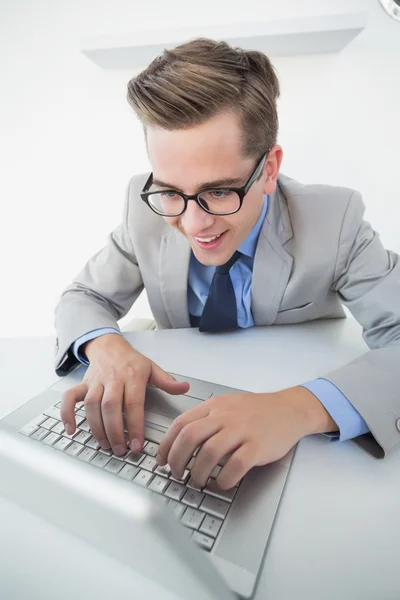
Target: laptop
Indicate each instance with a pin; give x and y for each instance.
(203, 543)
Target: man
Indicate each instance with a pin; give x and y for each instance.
(285, 253)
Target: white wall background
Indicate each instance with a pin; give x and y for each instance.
(69, 142)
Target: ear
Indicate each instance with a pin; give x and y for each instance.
(271, 168)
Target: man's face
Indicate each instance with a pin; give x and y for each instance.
(189, 160)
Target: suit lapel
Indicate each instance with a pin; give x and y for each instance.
(272, 263)
(174, 268)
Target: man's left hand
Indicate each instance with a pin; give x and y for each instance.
(254, 429)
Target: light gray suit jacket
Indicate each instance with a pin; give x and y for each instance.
(314, 253)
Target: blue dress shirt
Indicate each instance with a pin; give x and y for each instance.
(348, 419)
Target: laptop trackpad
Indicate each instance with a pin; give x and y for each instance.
(162, 408)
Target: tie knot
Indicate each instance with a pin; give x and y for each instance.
(224, 269)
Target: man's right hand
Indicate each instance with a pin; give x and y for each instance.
(117, 377)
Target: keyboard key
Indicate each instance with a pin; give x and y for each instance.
(211, 526)
(87, 454)
(128, 472)
(215, 472)
(158, 484)
(134, 458)
(106, 452)
(59, 428)
(184, 477)
(51, 439)
(81, 413)
(149, 463)
(84, 425)
(79, 420)
(192, 485)
(78, 405)
(93, 443)
(53, 412)
(74, 449)
(39, 434)
(224, 460)
(100, 460)
(215, 506)
(190, 463)
(114, 465)
(203, 540)
(192, 518)
(175, 491)
(82, 437)
(193, 498)
(164, 471)
(177, 508)
(28, 430)
(49, 423)
(73, 436)
(143, 478)
(151, 448)
(62, 443)
(33, 425)
(213, 489)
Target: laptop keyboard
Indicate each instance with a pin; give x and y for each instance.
(201, 510)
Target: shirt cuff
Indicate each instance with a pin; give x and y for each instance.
(350, 422)
(91, 335)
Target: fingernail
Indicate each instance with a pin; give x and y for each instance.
(119, 450)
(135, 445)
(105, 445)
(68, 428)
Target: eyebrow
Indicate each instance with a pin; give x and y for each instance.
(228, 182)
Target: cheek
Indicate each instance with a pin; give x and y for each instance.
(173, 221)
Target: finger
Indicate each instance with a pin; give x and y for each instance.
(134, 396)
(167, 382)
(198, 412)
(191, 437)
(67, 408)
(111, 411)
(94, 417)
(237, 466)
(211, 453)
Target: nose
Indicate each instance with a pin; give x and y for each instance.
(196, 220)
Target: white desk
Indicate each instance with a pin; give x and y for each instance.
(337, 533)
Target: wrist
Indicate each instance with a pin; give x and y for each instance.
(311, 412)
(92, 347)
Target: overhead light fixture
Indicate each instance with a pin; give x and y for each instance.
(392, 7)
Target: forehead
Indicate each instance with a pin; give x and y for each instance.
(188, 157)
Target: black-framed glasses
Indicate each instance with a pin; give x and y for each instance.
(216, 201)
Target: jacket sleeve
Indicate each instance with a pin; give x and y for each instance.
(367, 278)
(101, 294)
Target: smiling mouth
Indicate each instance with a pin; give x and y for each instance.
(211, 242)
(208, 239)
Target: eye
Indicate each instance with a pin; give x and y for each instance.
(169, 194)
(219, 194)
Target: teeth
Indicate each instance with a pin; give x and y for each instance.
(208, 239)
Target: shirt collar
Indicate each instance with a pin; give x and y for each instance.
(248, 246)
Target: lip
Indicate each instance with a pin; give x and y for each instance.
(211, 245)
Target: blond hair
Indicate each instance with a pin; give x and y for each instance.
(195, 81)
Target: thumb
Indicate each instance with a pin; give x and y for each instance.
(167, 382)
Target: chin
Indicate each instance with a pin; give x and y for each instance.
(211, 259)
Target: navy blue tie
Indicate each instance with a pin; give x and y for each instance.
(220, 311)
